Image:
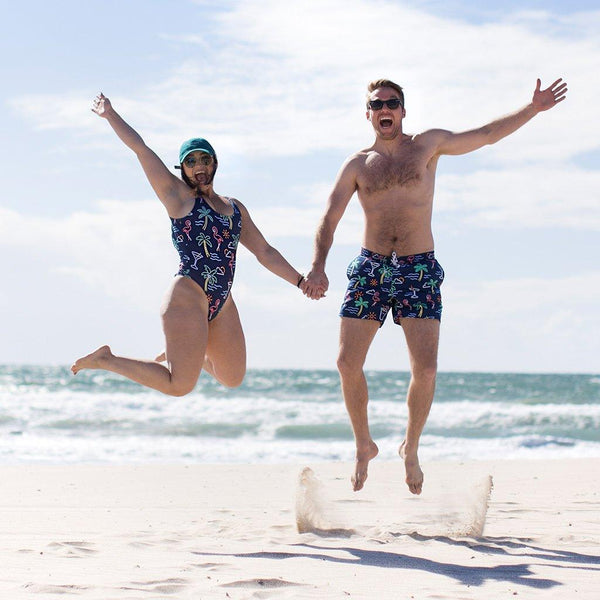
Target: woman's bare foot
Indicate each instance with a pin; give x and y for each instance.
(96, 360)
(414, 475)
(362, 465)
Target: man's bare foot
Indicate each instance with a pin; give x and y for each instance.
(362, 465)
(96, 360)
(414, 475)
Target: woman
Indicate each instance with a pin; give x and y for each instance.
(200, 320)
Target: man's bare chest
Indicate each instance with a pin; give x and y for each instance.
(381, 173)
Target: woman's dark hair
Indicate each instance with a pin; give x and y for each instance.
(186, 179)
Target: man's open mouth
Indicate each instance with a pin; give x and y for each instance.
(385, 122)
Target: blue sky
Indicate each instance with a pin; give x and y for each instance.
(279, 91)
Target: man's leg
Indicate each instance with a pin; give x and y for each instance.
(356, 336)
(422, 337)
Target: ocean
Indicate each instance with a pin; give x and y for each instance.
(47, 416)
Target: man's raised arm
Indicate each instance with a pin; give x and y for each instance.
(467, 141)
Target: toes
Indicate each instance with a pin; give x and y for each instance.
(358, 481)
(415, 488)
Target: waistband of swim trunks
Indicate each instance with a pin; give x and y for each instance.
(394, 257)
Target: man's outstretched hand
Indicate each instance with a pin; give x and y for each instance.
(551, 96)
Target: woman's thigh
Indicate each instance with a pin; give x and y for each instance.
(185, 325)
(226, 348)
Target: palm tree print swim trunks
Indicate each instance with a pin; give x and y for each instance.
(409, 285)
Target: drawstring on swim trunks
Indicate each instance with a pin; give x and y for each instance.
(394, 259)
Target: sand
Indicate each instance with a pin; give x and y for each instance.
(231, 531)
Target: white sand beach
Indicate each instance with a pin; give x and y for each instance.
(231, 531)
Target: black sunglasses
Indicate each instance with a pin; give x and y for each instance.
(392, 104)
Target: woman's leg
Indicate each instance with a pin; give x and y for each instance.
(226, 346)
(226, 350)
(185, 324)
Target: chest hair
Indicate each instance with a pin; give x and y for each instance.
(384, 173)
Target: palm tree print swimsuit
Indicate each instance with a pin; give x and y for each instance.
(206, 241)
(409, 285)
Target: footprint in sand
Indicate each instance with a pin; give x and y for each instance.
(54, 589)
(162, 586)
(261, 584)
(72, 549)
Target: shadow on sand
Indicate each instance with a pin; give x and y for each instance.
(518, 574)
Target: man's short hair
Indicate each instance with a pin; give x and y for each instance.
(381, 83)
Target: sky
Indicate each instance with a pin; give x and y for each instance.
(278, 89)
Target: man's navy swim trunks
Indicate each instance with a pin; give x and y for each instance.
(409, 285)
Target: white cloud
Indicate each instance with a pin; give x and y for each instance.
(115, 250)
(278, 222)
(524, 324)
(532, 196)
(541, 299)
(288, 78)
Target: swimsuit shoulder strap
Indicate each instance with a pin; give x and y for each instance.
(233, 204)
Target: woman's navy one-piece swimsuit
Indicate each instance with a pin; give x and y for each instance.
(206, 241)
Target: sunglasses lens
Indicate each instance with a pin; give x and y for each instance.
(392, 104)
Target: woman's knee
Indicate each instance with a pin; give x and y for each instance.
(181, 388)
(232, 378)
(183, 381)
(233, 382)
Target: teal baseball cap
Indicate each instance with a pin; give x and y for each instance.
(196, 145)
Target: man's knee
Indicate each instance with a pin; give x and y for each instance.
(426, 371)
(348, 364)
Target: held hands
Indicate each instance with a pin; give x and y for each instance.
(101, 105)
(551, 96)
(315, 285)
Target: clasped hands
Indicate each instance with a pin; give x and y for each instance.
(315, 285)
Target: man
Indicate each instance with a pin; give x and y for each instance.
(394, 180)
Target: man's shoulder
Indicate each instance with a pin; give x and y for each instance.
(356, 160)
(360, 154)
(431, 135)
